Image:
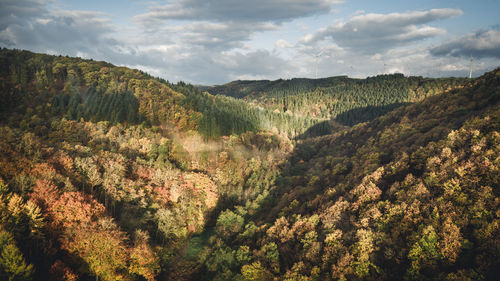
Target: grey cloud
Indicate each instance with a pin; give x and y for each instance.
(208, 67)
(209, 35)
(258, 63)
(237, 10)
(225, 24)
(20, 11)
(372, 33)
(205, 48)
(28, 24)
(481, 44)
(195, 51)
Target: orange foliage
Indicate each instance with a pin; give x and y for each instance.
(44, 170)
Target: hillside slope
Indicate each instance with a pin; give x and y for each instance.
(34, 87)
(109, 173)
(412, 195)
(77, 88)
(103, 173)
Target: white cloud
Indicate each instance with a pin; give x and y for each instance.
(67, 32)
(372, 33)
(282, 44)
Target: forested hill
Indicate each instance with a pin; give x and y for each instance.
(95, 91)
(105, 171)
(32, 84)
(412, 195)
(108, 173)
(348, 101)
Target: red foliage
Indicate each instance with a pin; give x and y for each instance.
(44, 193)
(74, 209)
(44, 170)
(63, 161)
(144, 172)
(162, 194)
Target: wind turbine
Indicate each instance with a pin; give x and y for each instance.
(470, 70)
(316, 56)
(385, 65)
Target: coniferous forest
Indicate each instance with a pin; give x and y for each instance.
(108, 173)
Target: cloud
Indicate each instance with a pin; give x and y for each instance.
(19, 11)
(282, 44)
(259, 63)
(200, 52)
(207, 33)
(208, 67)
(237, 11)
(224, 24)
(373, 33)
(60, 31)
(214, 42)
(210, 35)
(482, 44)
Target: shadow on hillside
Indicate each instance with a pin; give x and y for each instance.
(348, 119)
(367, 113)
(347, 157)
(321, 129)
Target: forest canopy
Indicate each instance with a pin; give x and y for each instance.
(109, 173)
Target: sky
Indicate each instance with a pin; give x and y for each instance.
(217, 41)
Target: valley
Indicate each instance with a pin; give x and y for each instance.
(109, 173)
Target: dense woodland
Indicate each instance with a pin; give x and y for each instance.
(411, 195)
(109, 173)
(348, 101)
(96, 153)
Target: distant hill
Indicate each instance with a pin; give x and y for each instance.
(346, 100)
